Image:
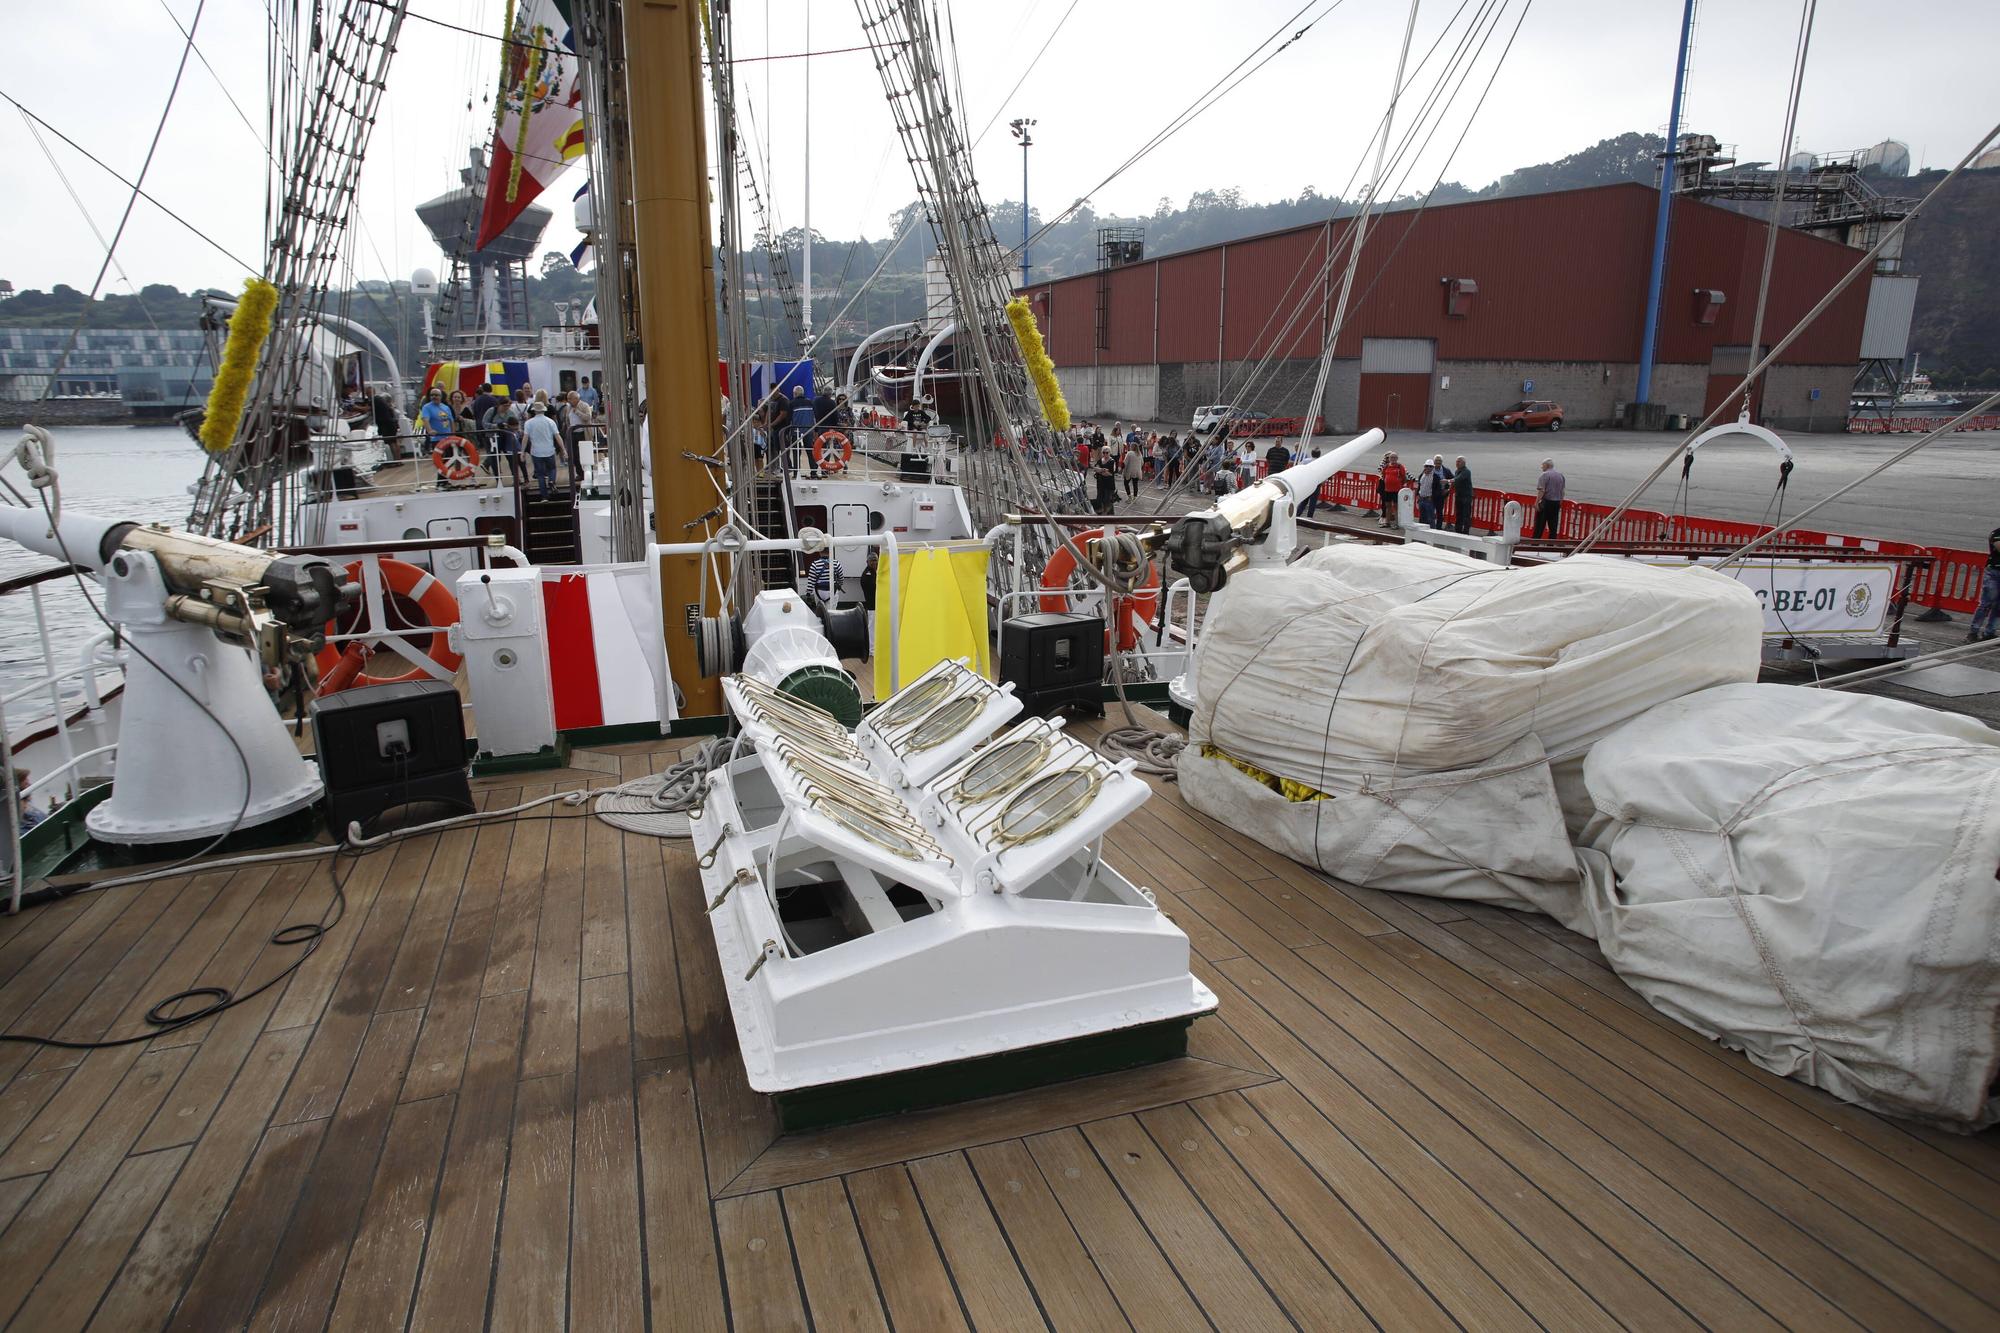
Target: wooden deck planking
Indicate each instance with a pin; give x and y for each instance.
(916, 1289)
(607, 1250)
(506, 1091)
(465, 1221)
(989, 1282)
(833, 1264)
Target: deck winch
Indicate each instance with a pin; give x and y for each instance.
(919, 912)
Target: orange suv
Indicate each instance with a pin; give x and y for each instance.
(1529, 414)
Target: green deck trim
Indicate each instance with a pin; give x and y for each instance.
(62, 845)
(988, 1076)
(549, 756)
(1139, 692)
(46, 846)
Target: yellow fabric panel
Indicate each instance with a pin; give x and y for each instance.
(1288, 788)
(940, 612)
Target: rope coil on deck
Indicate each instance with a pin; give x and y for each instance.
(664, 805)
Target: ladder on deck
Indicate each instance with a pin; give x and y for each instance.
(771, 514)
(549, 528)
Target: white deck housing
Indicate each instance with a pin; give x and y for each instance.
(957, 936)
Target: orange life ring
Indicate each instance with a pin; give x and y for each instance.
(1133, 611)
(837, 464)
(455, 458)
(405, 588)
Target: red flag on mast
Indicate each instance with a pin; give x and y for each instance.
(539, 129)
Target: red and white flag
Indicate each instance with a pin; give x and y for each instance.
(539, 129)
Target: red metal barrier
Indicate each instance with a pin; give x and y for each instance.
(1950, 583)
(1915, 425)
(1261, 427)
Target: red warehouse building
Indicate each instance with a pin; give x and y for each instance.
(1465, 309)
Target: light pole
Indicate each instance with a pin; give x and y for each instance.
(1020, 128)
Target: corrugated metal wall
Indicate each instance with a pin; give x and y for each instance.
(1561, 277)
(1190, 287)
(1272, 278)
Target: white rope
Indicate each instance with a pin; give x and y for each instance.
(357, 841)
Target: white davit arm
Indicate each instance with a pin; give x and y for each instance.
(82, 535)
(1203, 543)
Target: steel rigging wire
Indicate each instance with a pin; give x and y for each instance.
(1861, 265)
(1253, 379)
(131, 201)
(1261, 368)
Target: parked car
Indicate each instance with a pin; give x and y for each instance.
(1528, 414)
(1207, 419)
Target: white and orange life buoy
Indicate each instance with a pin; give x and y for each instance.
(821, 450)
(456, 458)
(1130, 612)
(407, 592)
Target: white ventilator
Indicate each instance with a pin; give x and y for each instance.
(869, 924)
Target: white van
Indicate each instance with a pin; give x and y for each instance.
(1208, 418)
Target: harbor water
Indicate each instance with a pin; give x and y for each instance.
(129, 472)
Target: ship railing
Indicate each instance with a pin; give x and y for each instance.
(75, 703)
(1163, 643)
(568, 338)
(381, 622)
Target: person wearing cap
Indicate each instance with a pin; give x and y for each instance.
(543, 441)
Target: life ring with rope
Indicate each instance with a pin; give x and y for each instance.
(455, 457)
(820, 449)
(1130, 612)
(408, 592)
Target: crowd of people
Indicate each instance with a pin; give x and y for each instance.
(526, 428)
(813, 435)
(1118, 461)
(1441, 494)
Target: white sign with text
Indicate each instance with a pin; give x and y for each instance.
(1807, 598)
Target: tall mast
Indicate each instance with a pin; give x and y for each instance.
(676, 257)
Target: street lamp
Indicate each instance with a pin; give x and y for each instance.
(1020, 128)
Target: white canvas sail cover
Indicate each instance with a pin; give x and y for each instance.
(1809, 877)
(1363, 660)
(1426, 693)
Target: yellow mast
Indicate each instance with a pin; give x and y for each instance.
(675, 252)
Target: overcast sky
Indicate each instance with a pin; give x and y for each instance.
(99, 70)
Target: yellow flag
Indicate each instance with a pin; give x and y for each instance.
(940, 602)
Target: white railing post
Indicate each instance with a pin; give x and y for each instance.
(55, 678)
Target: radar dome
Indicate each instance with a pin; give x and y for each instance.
(1889, 157)
(423, 283)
